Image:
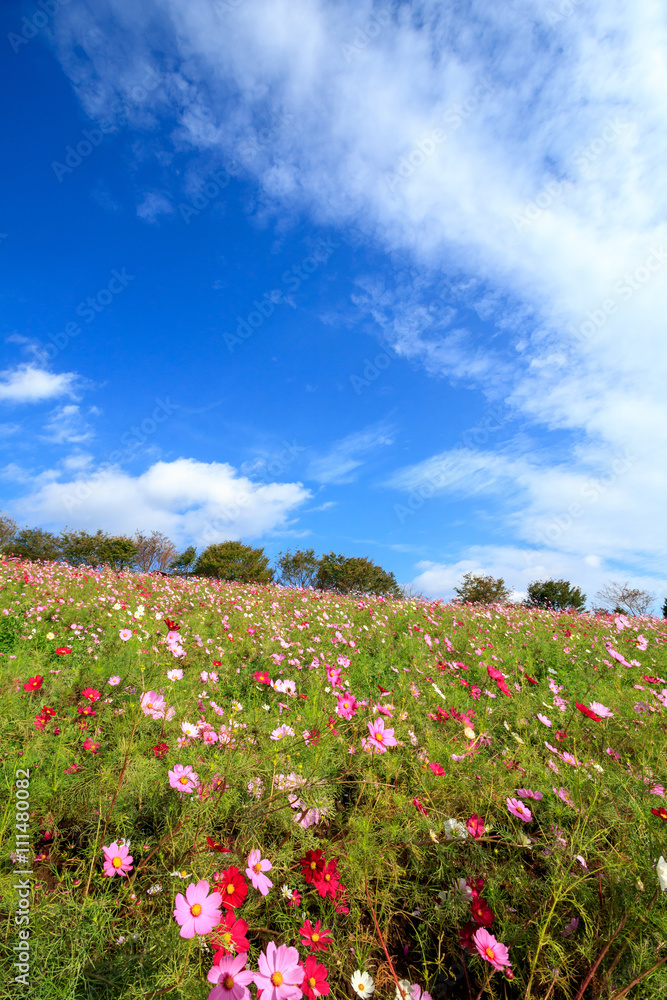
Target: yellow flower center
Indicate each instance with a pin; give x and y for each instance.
(226, 939)
(361, 987)
(117, 862)
(313, 865)
(378, 736)
(230, 890)
(228, 982)
(184, 779)
(149, 705)
(315, 937)
(489, 952)
(327, 878)
(258, 867)
(195, 910)
(277, 978)
(312, 982)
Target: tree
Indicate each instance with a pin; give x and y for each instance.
(624, 599)
(479, 589)
(664, 609)
(34, 543)
(354, 575)
(300, 569)
(119, 552)
(8, 529)
(184, 562)
(408, 592)
(154, 552)
(556, 594)
(234, 561)
(80, 548)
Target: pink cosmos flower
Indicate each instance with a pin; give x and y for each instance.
(153, 704)
(183, 779)
(544, 720)
(601, 710)
(528, 793)
(118, 860)
(475, 826)
(437, 768)
(279, 974)
(347, 706)
(517, 808)
(231, 978)
(255, 870)
(491, 950)
(197, 912)
(564, 794)
(281, 731)
(125, 634)
(113, 681)
(380, 737)
(333, 675)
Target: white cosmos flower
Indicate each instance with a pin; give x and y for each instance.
(661, 869)
(362, 984)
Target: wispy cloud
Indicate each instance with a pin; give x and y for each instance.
(29, 384)
(348, 455)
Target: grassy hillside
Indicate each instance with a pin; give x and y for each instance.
(430, 782)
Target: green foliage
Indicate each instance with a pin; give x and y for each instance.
(119, 552)
(478, 589)
(184, 563)
(81, 548)
(298, 569)
(556, 594)
(8, 529)
(34, 543)
(354, 575)
(234, 561)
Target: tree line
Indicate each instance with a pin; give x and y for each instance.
(232, 560)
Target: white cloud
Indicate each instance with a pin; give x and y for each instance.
(348, 455)
(542, 210)
(154, 205)
(29, 384)
(185, 499)
(67, 425)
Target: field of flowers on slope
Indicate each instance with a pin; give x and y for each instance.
(361, 797)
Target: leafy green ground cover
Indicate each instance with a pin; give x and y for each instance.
(470, 800)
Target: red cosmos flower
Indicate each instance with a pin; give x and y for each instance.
(482, 912)
(437, 768)
(85, 710)
(63, 650)
(383, 690)
(295, 900)
(91, 745)
(312, 865)
(560, 735)
(328, 881)
(33, 683)
(475, 826)
(232, 887)
(217, 663)
(588, 712)
(661, 812)
(262, 677)
(215, 846)
(649, 679)
(39, 722)
(160, 750)
(418, 805)
(91, 694)
(330, 724)
(530, 679)
(230, 931)
(172, 626)
(465, 937)
(314, 983)
(314, 938)
(48, 713)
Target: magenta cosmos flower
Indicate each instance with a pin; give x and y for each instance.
(231, 977)
(183, 779)
(381, 737)
(491, 950)
(117, 860)
(517, 808)
(279, 973)
(347, 706)
(153, 704)
(255, 872)
(197, 912)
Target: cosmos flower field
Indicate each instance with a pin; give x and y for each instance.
(233, 791)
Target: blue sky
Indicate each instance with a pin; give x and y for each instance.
(384, 279)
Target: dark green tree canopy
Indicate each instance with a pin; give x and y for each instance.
(119, 552)
(33, 543)
(298, 569)
(184, 563)
(81, 548)
(479, 589)
(234, 561)
(556, 594)
(354, 574)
